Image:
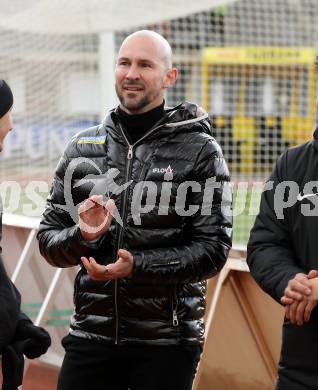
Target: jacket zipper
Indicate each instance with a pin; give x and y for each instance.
(175, 320)
(123, 217)
(124, 207)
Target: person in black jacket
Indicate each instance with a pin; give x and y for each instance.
(282, 256)
(18, 335)
(142, 203)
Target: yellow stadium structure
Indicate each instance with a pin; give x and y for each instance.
(261, 99)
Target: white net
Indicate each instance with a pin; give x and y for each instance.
(249, 63)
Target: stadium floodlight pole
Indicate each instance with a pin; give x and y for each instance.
(107, 58)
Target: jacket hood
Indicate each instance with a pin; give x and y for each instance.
(188, 114)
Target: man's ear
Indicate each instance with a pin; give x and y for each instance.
(171, 77)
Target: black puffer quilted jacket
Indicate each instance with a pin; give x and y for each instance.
(174, 253)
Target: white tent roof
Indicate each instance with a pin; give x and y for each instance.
(91, 16)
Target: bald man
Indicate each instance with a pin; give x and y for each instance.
(130, 205)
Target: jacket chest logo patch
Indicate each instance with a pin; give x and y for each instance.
(92, 140)
(167, 172)
(163, 170)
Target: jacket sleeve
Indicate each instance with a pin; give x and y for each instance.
(10, 300)
(60, 240)
(270, 254)
(208, 238)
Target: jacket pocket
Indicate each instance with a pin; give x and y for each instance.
(76, 287)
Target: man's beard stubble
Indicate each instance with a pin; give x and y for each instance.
(134, 106)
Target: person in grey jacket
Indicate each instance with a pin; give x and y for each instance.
(18, 335)
(137, 202)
